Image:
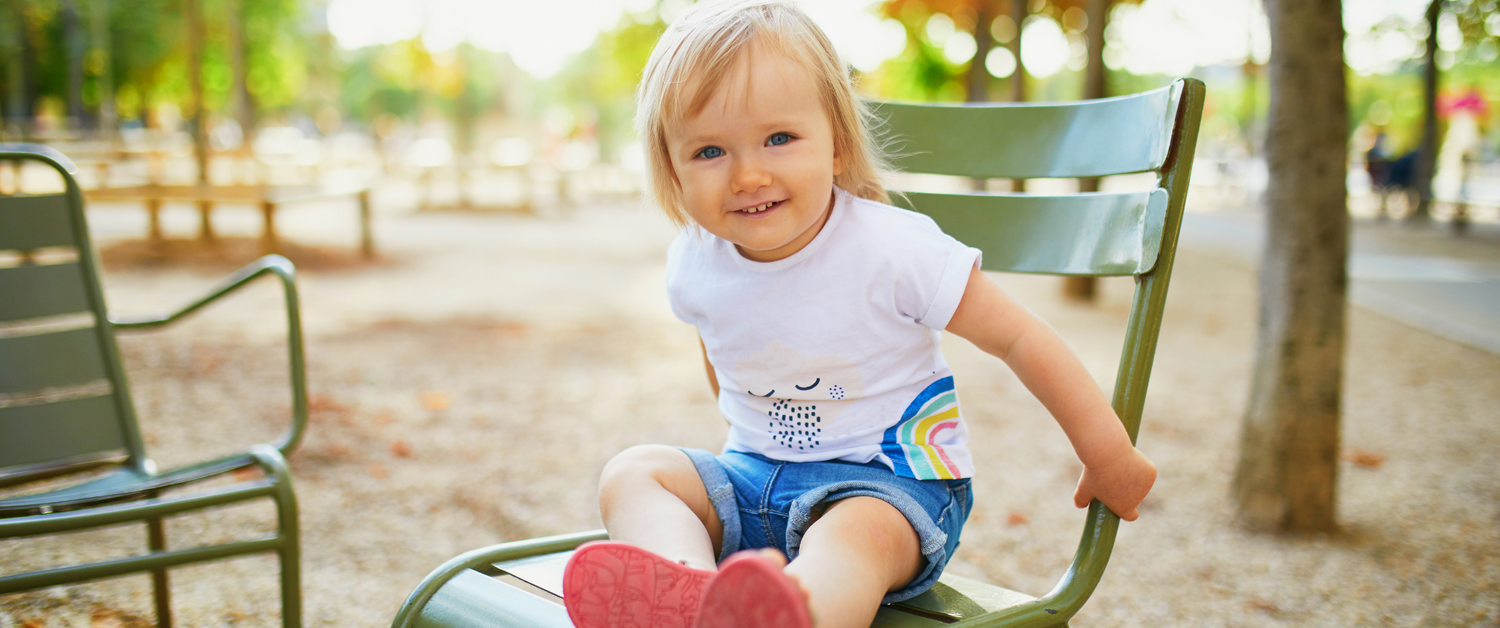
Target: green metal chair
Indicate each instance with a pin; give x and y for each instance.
(1091, 234)
(65, 407)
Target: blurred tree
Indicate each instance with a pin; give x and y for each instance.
(384, 80)
(1427, 151)
(75, 43)
(605, 76)
(12, 34)
(99, 62)
(103, 60)
(1287, 473)
(984, 19)
(1095, 85)
(990, 22)
(241, 107)
(1476, 23)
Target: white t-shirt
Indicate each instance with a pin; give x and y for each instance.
(833, 353)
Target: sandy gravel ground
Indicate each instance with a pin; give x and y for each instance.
(469, 387)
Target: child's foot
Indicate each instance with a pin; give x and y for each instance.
(751, 591)
(615, 585)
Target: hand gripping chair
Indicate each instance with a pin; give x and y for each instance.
(65, 407)
(1091, 234)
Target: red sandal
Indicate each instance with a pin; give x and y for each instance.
(751, 591)
(616, 585)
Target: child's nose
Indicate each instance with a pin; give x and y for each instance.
(749, 176)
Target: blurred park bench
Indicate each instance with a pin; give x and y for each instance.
(269, 198)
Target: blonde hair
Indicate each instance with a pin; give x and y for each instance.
(705, 42)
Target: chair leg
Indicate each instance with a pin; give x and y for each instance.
(291, 558)
(291, 588)
(158, 541)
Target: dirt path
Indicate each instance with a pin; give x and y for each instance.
(469, 387)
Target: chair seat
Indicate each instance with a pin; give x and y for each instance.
(122, 484)
(526, 592)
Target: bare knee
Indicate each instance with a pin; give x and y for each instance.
(876, 530)
(650, 466)
(658, 463)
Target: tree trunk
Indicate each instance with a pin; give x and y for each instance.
(1288, 464)
(978, 78)
(240, 105)
(30, 71)
(75, 45)
(1427, 151)
(194, 17)
(15, 68)
(1095, 85)
(99, 28)
(1018, 11)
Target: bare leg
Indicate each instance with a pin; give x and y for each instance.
(859, 550)
(652, 497)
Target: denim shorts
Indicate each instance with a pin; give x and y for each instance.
(770, 503)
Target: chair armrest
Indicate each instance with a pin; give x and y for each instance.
(1075, 587)
(270, 264)
(439, 577)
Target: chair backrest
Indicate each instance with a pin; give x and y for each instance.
(64, 403)
(1088, 234)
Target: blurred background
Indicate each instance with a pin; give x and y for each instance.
(514, 104)
(500, 327)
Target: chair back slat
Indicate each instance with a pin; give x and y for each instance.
(60, 359)
(45, 290)
(69, 429)
(33, 222)
(1085, 234)
(1020, 141)
(64, 403)
(1149, 132)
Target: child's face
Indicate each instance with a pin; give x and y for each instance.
(756, 165)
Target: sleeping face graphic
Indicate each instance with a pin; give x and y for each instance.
(798, 394)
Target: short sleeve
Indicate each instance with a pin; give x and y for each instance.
(962, 260)
(931, 268)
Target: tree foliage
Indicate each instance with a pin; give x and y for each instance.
(146, 56)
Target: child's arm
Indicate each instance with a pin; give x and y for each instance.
(1114, 471)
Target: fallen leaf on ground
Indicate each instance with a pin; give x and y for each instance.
(1263, 604)
(378, 472)
(1362, 458)
(384, 416)
(1017, 519)
(106, 619)
(435, 400)
(400, 449)
(324, 403)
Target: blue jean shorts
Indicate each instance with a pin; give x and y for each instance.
(770, 503)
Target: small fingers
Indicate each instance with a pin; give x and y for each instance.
(1081, 499)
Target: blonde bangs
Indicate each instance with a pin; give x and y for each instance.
(699, 51)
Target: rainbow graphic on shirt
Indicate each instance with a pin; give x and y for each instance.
(911, 443)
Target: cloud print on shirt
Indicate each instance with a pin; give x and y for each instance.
(798, 394)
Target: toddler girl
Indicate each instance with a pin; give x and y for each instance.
(820, 308)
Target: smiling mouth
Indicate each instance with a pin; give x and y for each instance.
(760, 208)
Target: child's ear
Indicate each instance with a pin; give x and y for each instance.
(838, 163)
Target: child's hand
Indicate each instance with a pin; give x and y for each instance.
(1121, 484)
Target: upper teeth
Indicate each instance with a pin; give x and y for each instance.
(759, 208)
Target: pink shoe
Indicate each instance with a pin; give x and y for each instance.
(615, 585)
(750, 591)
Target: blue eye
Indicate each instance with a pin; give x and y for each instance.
(778, 139)
(711, 152)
